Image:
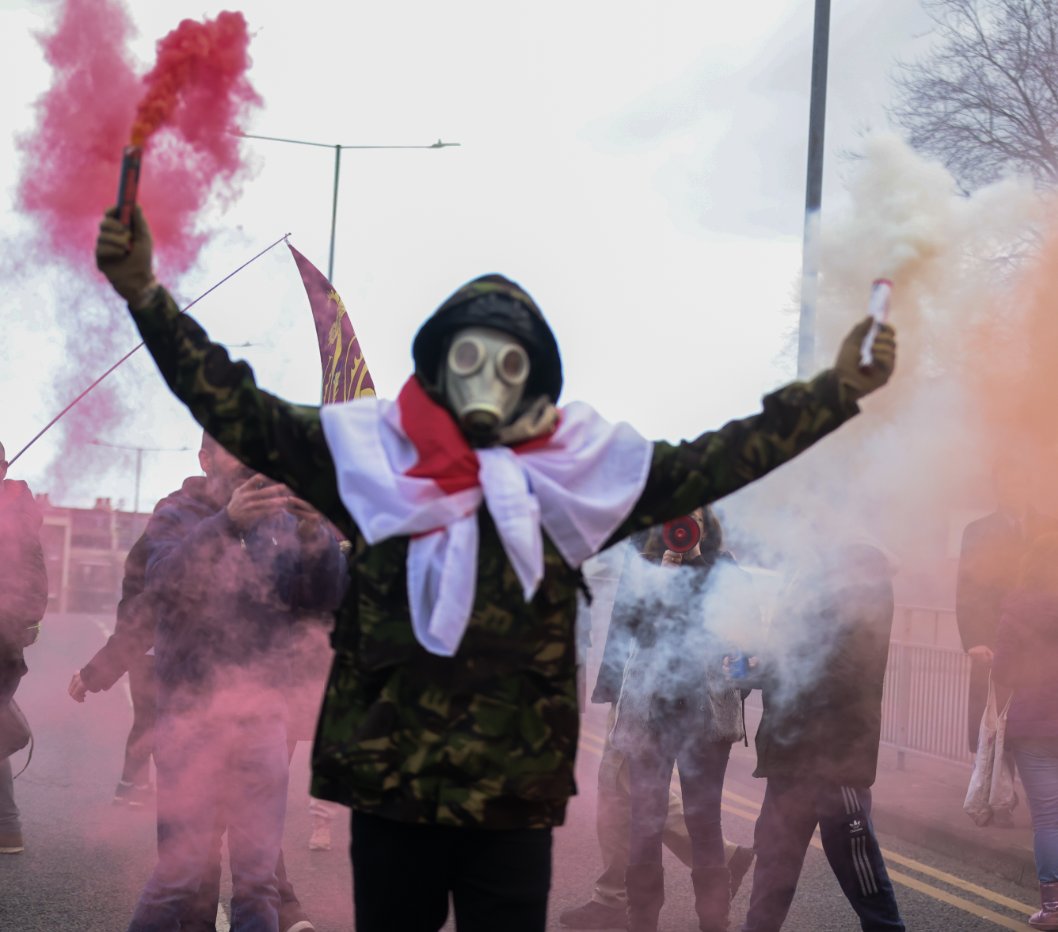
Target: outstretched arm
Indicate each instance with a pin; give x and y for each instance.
(700, 471)
(283, 440)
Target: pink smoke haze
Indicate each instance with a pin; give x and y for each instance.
(186, 109)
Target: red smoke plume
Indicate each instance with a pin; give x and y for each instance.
(195, 95)
(198, 86)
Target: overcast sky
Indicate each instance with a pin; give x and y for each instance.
(639, 168)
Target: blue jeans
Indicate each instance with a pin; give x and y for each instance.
(212, 766)
(1038, 766)
(788, 816)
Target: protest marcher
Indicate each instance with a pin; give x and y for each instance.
(678, 707)
(450, 719)
(1026, 658)
(817, 743)
(23, 601)
(130, 649)
(233, 561)
(989, 561)
(608, 906)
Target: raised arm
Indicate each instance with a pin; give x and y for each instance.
(272, 436)
(697, 472)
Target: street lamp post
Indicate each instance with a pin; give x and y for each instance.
(806, 338)
(337, 172)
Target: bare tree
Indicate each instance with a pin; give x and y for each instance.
(985, 99)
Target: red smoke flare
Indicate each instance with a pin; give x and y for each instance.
(198, 85)
(195, 94)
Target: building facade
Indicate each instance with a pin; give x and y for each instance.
(85, 550)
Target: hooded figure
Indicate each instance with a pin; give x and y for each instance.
(449, 723)
(821, 680)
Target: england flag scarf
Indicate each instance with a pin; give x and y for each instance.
(404, 469)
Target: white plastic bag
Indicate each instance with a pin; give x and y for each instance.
(992, 781)
(1001, 795)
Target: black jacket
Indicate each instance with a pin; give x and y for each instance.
(23, 575)
(133, 628)
(682, 621)
(224, 600)
(822, 682)
(992, 550)
(23, 579)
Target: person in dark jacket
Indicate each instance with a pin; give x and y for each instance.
(130, 649)
(233, 561)
(817, 743)
(1026, 660)
(608, 906)
(677, 707)
(992, 551)
(23, 601)
(449, 724)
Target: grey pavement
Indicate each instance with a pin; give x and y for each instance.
(918, 799)
(86, 861)
(922, 803)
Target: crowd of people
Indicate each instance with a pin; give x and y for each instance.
(439, 538)
(687, 642)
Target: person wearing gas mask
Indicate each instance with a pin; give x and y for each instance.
(450, 719)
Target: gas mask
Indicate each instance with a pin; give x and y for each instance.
(483, 379)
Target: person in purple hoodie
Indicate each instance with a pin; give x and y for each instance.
(1026, 658)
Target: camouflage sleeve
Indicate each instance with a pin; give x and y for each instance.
(282, 440)
(697, 472)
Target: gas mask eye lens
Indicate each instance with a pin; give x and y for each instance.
(513, 365)
(466, 356)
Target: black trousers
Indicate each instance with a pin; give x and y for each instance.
(976, 699)
(788, 817)
(139, 746)
(201, 913)
(403, 874)
(702, 767)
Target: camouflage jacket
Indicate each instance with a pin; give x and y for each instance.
(486, 738)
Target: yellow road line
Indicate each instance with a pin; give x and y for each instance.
(936, 893)
(944, 876)
(742, 813)
(753, 810)
(926, 869)
(982, 912)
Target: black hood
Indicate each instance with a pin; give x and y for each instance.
(496, 302)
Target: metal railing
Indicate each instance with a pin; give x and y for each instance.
(925, 694)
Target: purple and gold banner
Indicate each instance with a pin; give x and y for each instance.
(345, 374)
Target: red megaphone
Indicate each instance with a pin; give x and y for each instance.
(681, 535)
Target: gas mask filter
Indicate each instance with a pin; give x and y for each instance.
(484, 380)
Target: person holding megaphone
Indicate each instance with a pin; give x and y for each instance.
(678, 707)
